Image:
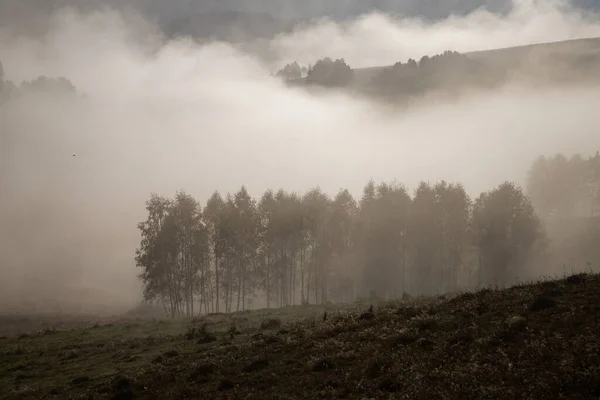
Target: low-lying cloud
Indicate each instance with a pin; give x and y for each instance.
(158, 116)
(379, 39)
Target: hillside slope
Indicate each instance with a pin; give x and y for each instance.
(587, 49)
(566, 63)
(537, 341)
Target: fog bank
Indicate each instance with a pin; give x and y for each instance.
(158, 116)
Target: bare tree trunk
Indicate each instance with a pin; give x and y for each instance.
(291, 278)
(308, 285)
(593, 203)
(164, 304)
(204, 291)
(217, 283)
(268, 286)
(282, 277)
(230, 289)
(302, 274)
(323, 284)
(317, 270)
(294, 281)
(240, 277)
(244, 290)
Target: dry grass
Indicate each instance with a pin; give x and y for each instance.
(537, 341)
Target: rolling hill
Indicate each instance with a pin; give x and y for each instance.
(572, 62)
(536, 341)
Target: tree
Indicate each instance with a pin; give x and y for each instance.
(593, 183)
(267, 238)
(316, 205)
(425, 235)
(213, 219)
(290, 72)
(151, 255)
(173, 253)
(247, 229)
(228, 238)
(507, 232)
(454, 224)
(190, 254)
(538, 187)
(327, 72)
(562, 188)
(340, 232)
(382, 237)
(53, 85)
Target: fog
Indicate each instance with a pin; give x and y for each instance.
(379, 39)
(159, 115)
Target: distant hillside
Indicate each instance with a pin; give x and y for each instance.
(578, 50)
(547, 63)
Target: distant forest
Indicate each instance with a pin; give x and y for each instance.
(291, 248)
(9, 90)
(449, 72)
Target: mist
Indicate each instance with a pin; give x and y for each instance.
(160, 115)
(376, 39)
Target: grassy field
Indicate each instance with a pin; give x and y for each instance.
(536, 341)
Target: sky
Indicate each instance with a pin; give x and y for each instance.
(159, 115)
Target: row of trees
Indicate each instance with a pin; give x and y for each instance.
(40, 84)
(562, 187)
(566, 194)
(286, 248)
(447, 70)
(292, 71)
(328, 72)
(325, 72)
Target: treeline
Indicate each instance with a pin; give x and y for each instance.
(447, 70)
(325, 72)
(285, 248)
(566, 194)
(562, 187)
(42, 84)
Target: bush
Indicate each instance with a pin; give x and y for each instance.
(202, 334)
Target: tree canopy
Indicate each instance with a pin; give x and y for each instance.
(288, 248)
(327, 72)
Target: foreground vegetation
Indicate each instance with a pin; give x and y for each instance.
(530, 342)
